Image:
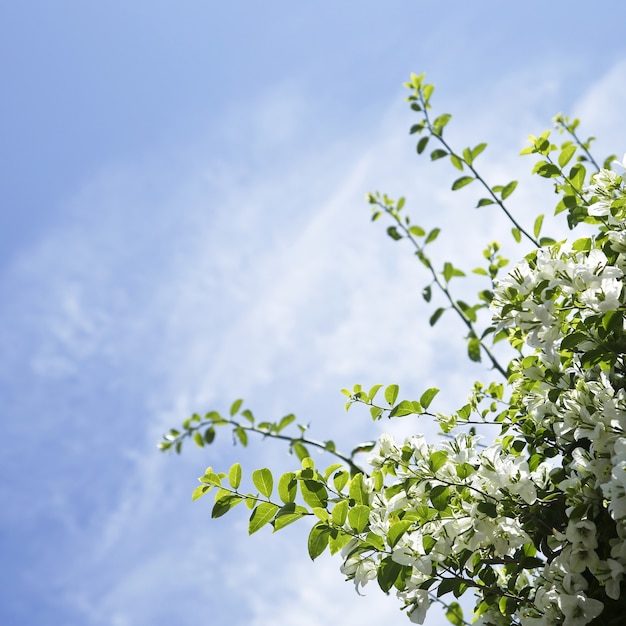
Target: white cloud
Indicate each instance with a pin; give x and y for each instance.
(269, 284)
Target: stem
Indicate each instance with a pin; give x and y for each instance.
(444, 289)
(478, 177)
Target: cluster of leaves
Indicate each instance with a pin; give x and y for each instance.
(533, 524)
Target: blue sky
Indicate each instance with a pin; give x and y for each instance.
(183, 223)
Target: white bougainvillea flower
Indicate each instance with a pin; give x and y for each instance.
(578, 609)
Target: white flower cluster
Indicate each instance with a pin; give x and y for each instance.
(569, 303)
(541, 524)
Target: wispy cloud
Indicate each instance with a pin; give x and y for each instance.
(237, 278)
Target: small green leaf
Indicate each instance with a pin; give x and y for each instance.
(199, 491)
(358, 517)
(285, 421)
(428, 396)
(417, 231)
(517, 235)
(478, 149)
(438, 154)
(462, 182)
(396, 530)
(234, 476)
(421, 144)
(300, 450)
(435, 316)
(314, 493)
(484, 202)
(388, 572)
(391, 393)
(198, 439)
(440, 497)
(537, 226)
(432, 235)
(242, 435)
(318, 539)
(340, 479)
(438, 459)
(508, 189)
(289, 514)
(236, 405)
(566, 155)
(261, 515)
(406, 407)
(454, 613)
(473, 349)
(225, 504)
(392, 231)
(340, 513)
(287, 487)
(263, 481)
(209, 434)
(427, 293)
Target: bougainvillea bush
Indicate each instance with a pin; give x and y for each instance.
(533, 521)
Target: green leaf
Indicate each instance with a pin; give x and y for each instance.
(261, 515)
(546, 170)
(289, 514)
(537, 226)
(435, 316)
(462, 182)
(236, 405)
(421, 144)
(340, 479)
(392, 231)
(406, 407)
(225, 504)
(438, 459)
(198, 439)
(478, 149)
(577, 176)
(285, 421)
(432, 235)
(488, 508)
(454, 613)
(441, 122)
(263, 481)
(358, 493)
(388, 572)
(428, 396)
(242, 435)
(314, 493)
(517, 235)
(391, 393)
(566, 154)
(473, 349)
(199, 491)
(448, 585)
(438, 154)
(456, 161)
(300, 450)
(427, 293)
(373, 391)
(396, 530)
(318, 539)
(287, 487)
(340, 513)
(440, 497)
(508, 189)
(209, 434)
(234, 476)
(484, 202)
(417, 231)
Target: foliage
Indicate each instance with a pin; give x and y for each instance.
(533, 524)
